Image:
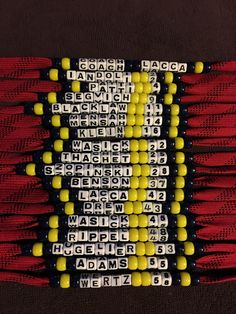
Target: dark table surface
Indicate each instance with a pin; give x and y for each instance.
(161, 30)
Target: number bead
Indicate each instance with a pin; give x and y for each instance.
(142, 262)
(61, 263)
(37, 249)
(150, 248)
(181, 262)
(185, 279)
(136, 279)
(65, 281)
(128, 208)
(181, 221)
(189, 248)
(140, 248)
(132, 262)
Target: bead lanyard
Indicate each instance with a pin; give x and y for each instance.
(132, 185)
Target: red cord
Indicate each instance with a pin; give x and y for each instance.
(215, 170)
(17, 222)
(17, 235)
(215, 220)
(24, 279)
(215, 181)
(21, 145)
(214, 279)
(227, 66)
(219, 247)
(14, 158)
(23, 195)
(211, 109)
(22, 263)
(19, 120)
(19, 74)
(10, 249)
(214, 120)
(215, 159)
(4, 109)
(24, 63)
(211, 132)
(217, 261)
(217, 233)
(14, 133)
(25, 209)
(213, 208)
(215, 195)
(229, 142)
(20, 86)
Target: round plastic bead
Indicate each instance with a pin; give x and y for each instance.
(134, 145)
(52, 97)
(133, 235)
(143, 145)
(142, 221)
(133, 221)
(137, 131)
(30, 169)
(199, 67)
(143, 98)
(150, 248)
(169, 77)
(135, 77)
(179, 158)
(57, 182)
(61, 263)
(179, 182)
(131, 119)
(64, 133)
(136, 279)
(136, 170)
(134, 157)
(47, 158)
(143, 234)
(58, 145)
(128, 131)
(140, 249)
(182, 234)
(143, 157)
(53, 74)
(185, 279)
(147, 88)
(128, 208)
(53, 221)
(179, 195)
(134, 182)
(69, 208)
(174, 110)
(65, 63)
(145, 170)
(64, 195)
(38, 109)
(144, 77)
(53, 235)
(174, 120)
(179, 143)
(182, 170)
(139, 87)
(168, 99)
(134, 98)
(146, 279)
(141, 195)
(172, 88)
(173, 132)
(65, 281)
(189, 248)
(181, 262)
(140, 108)
(37, 249)
(142, 262)
(131, 108)
(181, 221)
(75, 86)
(132, 262)
(137, 207)
(139, 119)
(175, 208)
(143, 182)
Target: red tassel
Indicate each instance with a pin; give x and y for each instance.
(24, 63)
(213, 208)
(216, 261)
(23, 279)
(22, 263)
(23, 86)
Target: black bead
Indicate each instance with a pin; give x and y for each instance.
(128, 65)
(47, 249)
(29, 108)
(60, 97)
(199, 248)
(63, 221)
(166, 208)
(48, 145)
(172, 220)
(176, 279)
(51, 263)
(44, 75)
(74, 63)
(56, 62)
(160, 76)
(136, 66)
(75, 281)
(59, 209)
(191, 235)
(84, 87)
(190, 67)
(176, 100)
(42, 235)
(43, 221)
(177, 77)
(54, 281)
(55, 133)
(43, 97)
(27, 249)
(172, 235)
(54, 196)
(195, 280)
(172, 263)
(71, 263)
(188, 143)
(207, 67)
(191, 263)
(62, 75)
(37, 156)
(179, 247)
(47, 121)
(171, 144)
(164, 89)
(20, 169)
(66, 87)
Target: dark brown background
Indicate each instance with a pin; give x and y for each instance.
(164, 30)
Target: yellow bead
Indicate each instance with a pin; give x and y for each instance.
(138, 207)
(140, 249)
(53, 235)
(143, 182)
(138, 88)
(145, 170)
(132, 262)
(52, 97)
(147, 88)
(185, 279)
(142, 262)
(69, 208)
(133, 221)
(37, 249)
(57, 182)
(175, 208)
(146, 279)
(179, 182)
(64, 196)
(134, 157)
(199, 66)
(130, 119)
(172, 88)
(53, 222)
(58, 145)
(64, 133)
(181, 262)
(131, 109)
(143, 234)
(181, 221)
(136, 170)
(143, 145)
(132, 195)
(53, 74)
(174, 120)
(38, 109)
(182, 234)
(139, 119)
(128, 131)
(168, 99)
(179, 158)
(75, 86)
(47, 158)
(134, 98)
(179, 195)
(137, 131)
(134, 145)
(150, 248)
(143, 158)
(56, 121)
(169, 77)
(143, 98)
(179, 143)
(65, 281)
(182, 170)
(173, 132)
(136, 279)
(174, 110)
(134, 182)
(142, 221)
(128, 208)
(135, 77)
(133, 235)
(142, 195)
(65, 63)
(140, 108)
(61, 263)
(144, 77)
(189, 248)
(30, 169)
